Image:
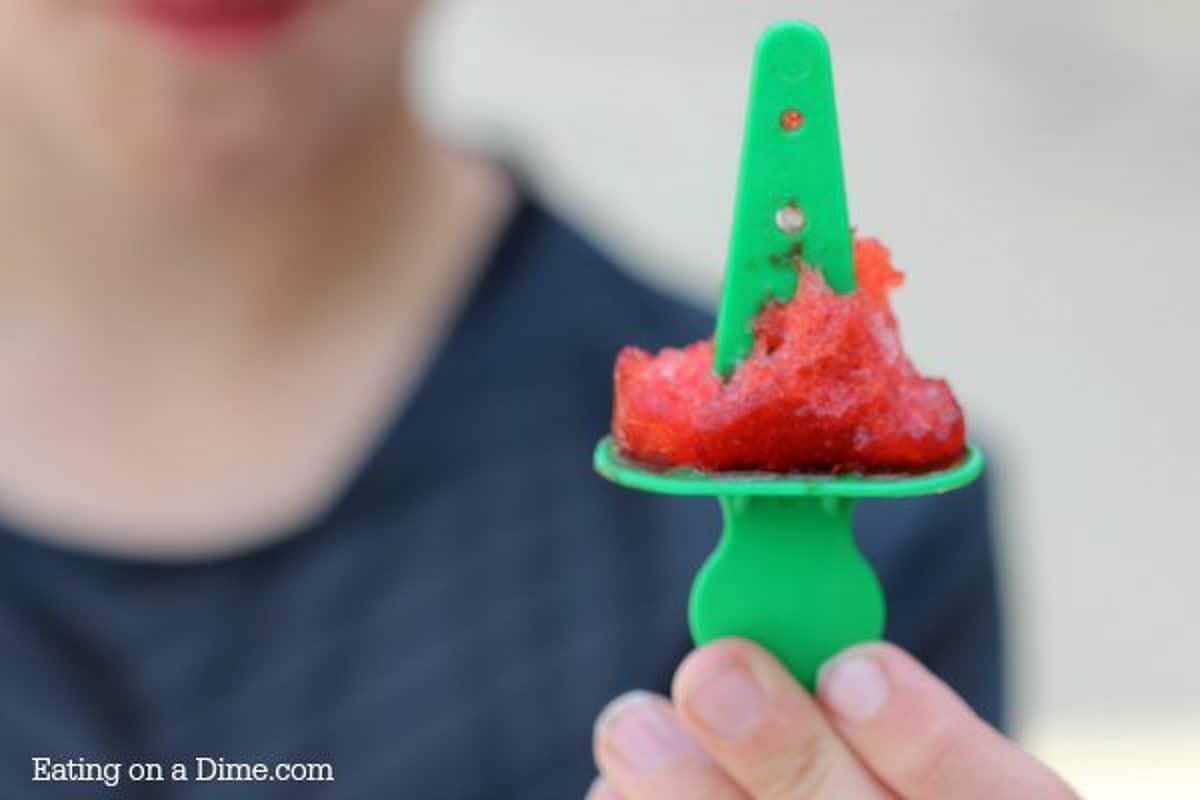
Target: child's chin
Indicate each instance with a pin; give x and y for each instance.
(198, 163)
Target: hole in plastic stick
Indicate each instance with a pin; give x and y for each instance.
(791, 120)
(790, 219)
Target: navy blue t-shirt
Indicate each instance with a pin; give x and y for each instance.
(449, 628)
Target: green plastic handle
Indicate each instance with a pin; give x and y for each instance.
(791, 194)
(788, 575)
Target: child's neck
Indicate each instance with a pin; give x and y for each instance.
(192, 386)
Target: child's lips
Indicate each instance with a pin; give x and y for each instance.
(216, 22)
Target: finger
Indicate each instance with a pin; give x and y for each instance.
(763, 729)
(919, 738)
(645, 754)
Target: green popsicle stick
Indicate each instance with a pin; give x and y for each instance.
(787, 573)
(791, 194)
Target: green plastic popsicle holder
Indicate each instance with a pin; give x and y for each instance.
(787, 572)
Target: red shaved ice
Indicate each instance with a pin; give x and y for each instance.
(827, 388)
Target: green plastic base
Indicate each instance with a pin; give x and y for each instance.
(692, 482)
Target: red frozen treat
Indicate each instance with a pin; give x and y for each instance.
(826, 389)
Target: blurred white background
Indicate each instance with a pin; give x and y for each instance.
(1035, 167)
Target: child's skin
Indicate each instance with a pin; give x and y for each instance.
(216, 266)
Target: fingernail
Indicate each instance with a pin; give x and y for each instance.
(644, 734)
(601, 791)
(855, 688)
(729, 703)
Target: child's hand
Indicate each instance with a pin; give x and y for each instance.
(739, 727)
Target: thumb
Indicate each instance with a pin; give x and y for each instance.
(919, 738)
